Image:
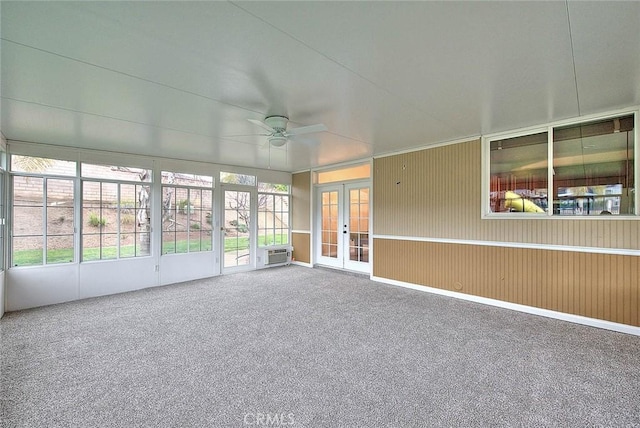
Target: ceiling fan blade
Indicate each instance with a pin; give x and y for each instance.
(307, 141)
(246, 135)
(307, 129)
(262, 125)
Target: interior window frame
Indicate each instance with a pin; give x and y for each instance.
(486, 141)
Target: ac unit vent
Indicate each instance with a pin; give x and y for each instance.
(277, 256)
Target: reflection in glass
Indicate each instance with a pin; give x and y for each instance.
(593, 165)
(519, 174)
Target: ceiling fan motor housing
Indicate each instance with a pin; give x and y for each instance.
(279, 123)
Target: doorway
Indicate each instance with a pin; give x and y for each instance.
(343, 232)
(237, 230)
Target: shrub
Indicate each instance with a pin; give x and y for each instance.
(241, 227)
(96, 221)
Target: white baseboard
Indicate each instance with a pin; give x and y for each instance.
(578, 319)
(309, 265)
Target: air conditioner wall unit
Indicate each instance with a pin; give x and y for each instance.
(278, 256)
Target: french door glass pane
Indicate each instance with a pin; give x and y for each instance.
(330, 224)
(237, 235)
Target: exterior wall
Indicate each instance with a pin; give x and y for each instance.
(301, 216)
(428, 230)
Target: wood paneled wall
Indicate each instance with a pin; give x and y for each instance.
(301, 201)
(301, 216)
(437, 193)
(301, 246)
(602, 286)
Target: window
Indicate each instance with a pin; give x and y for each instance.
(519, 174)
(593, 166)
(35, 165)
(233, 178)
(581, 169)
(43, 211)
(116, 213)
(273, 214)
(186, 213)
(350, 173)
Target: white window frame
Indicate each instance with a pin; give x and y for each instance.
(83, 223)
(45, 228)
(548, 128)
(189, 189)
(288, 195)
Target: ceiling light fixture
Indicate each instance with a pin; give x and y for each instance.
(277, 140)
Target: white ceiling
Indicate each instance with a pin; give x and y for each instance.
(177, 79)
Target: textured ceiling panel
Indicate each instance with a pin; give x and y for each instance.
(179, 79)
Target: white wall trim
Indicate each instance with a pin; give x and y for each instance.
(555, 217)
(297, 263)
(301, 231)
(552, 247)
(577, 319)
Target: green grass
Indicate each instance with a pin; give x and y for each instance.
(65, 255)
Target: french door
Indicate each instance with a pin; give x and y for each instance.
(237, 230)
(343, 226)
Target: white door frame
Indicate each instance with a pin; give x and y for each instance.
(253, 228)
(342, 259)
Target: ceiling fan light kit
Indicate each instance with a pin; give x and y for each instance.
(277, 140)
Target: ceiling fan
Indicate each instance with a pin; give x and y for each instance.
(278, 134)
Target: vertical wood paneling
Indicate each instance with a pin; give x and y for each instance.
(601, 286)
(301, 247)
(437, 193)
(301, 201)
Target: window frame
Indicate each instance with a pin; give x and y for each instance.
(119, 233)
(189, 189)
(4, 178)
(45, 235)
(486, 140)
(273, 229)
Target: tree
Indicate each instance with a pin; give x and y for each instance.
(31, 164)
(144, 214)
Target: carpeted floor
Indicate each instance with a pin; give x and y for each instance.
(305, 347)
